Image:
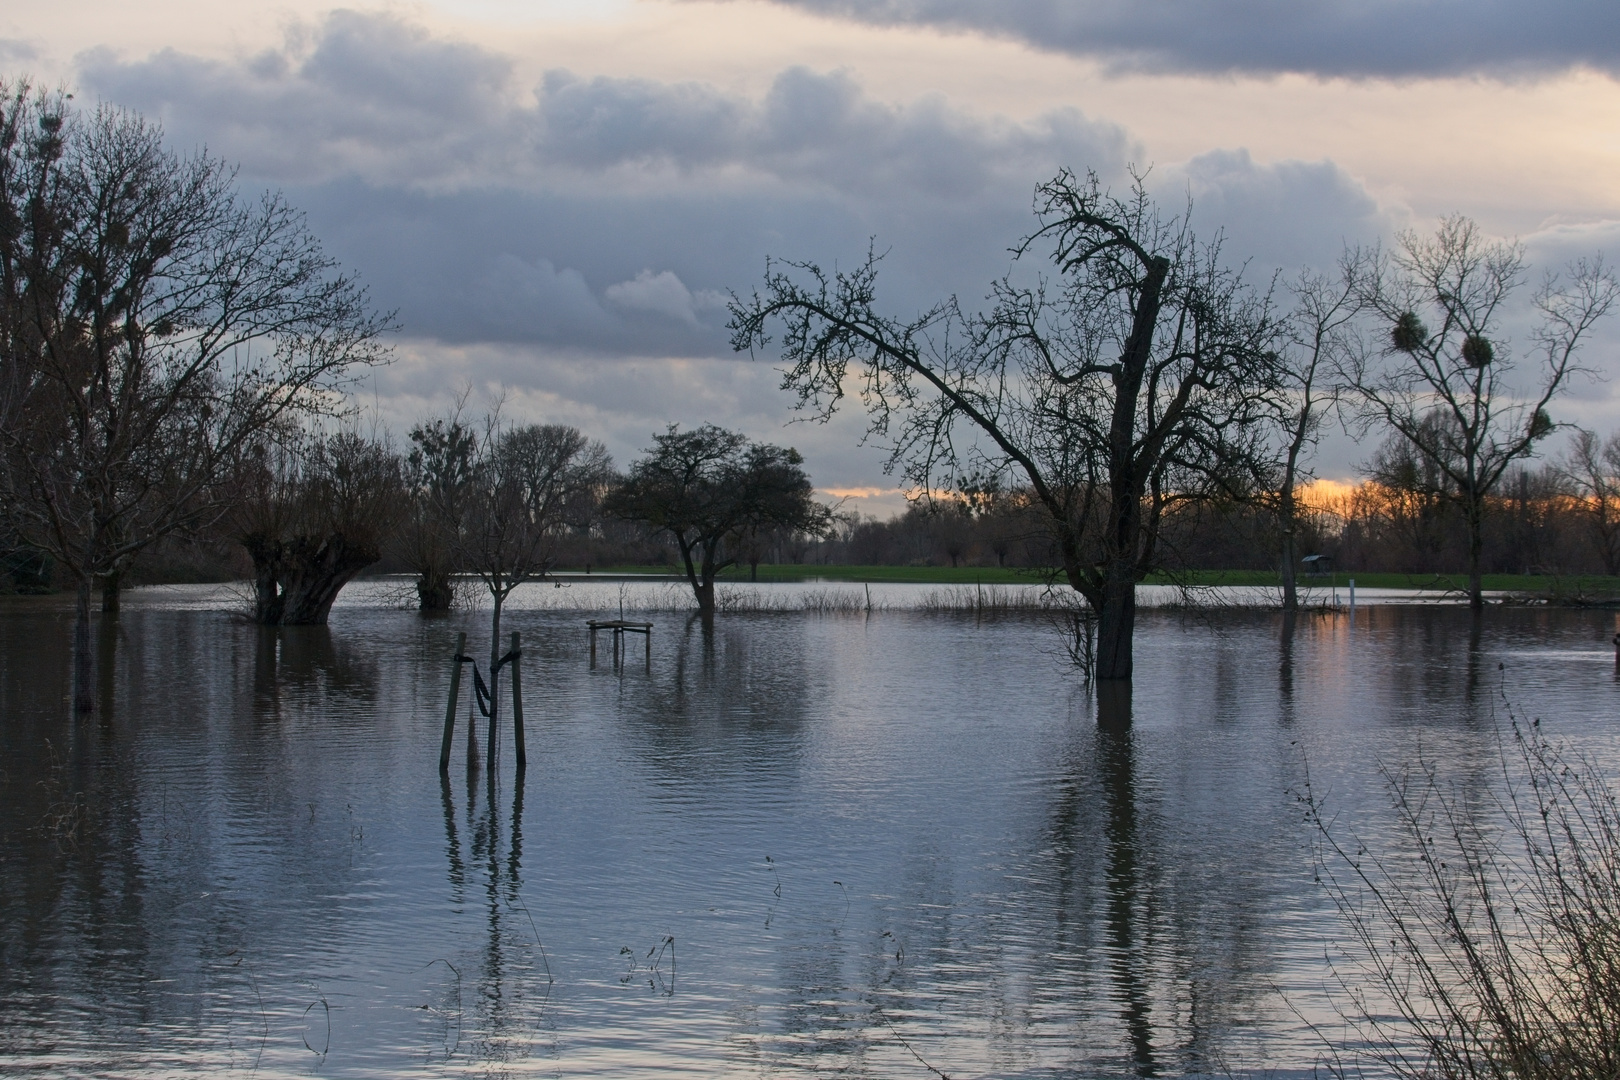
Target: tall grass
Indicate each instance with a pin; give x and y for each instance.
(1487, 945)
(815, 601)
(988, 600)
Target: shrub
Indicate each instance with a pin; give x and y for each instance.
(1488, 944)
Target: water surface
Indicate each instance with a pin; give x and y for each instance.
(846, 843)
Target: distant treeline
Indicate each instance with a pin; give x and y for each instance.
(1540, 522)
(1556, 517)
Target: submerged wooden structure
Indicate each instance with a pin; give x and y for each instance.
(619, 628)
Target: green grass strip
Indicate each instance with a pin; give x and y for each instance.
(1589, 585)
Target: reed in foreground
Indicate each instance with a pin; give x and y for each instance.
(1487, 945)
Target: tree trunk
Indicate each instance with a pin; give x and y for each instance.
(1116, 623)
(111, 588)
(1290, 587)
(296, 583)
(1286, 511)
(433, 590)
(84, 675)
(1476, 548)
(703, 585)
(494, 676)
(1114, 706)
(266, 557)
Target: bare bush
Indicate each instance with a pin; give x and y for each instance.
(1488, 943)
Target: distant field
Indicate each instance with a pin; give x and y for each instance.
(1582, 586)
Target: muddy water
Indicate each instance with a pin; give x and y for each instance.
(871, 845)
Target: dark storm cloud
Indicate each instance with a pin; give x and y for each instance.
(609, 216)
(1377, 38)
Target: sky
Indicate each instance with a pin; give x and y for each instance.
(557, 196)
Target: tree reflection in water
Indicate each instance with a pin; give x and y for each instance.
(972, 861)
(514, 981)
(1128, 960)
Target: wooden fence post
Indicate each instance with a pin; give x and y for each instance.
(517, 706)
(450, 710)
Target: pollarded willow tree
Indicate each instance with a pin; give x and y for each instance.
(154, 326)
(439, 471)
(1445, 380)
(1137, 379)
(312, 513)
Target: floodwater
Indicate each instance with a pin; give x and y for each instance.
(885, 844)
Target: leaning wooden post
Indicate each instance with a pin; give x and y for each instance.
(648, 635)
(517, 706)
(450, 709)
(593, 644)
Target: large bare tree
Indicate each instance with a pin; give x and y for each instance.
(1138, 378)
(153, 324)
(1446, 379)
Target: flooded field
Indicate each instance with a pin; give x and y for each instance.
(809, 839)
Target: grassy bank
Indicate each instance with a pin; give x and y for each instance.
(1588, 586)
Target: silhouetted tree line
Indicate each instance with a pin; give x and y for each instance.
(1560, 517)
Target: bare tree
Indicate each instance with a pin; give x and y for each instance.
(440, 471)
(1449, 391)
(528, 485)
(709, 489)
(1415, 500)
(1592, 467)
(1138, 379)
(1314, 338)
(154, 324)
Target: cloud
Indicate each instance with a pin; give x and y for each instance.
(13, 51)
(1283, 215)
(1354, 38)
(661, 294)
(575, 240)
(599, 214)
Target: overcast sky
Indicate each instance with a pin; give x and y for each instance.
(556, 196)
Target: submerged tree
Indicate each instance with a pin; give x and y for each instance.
(311, 518)
(1315, 337)
(1444, 380)
(528, 485)
(1138, 379)
(710, 490)
(153, 323)
(440, 471)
